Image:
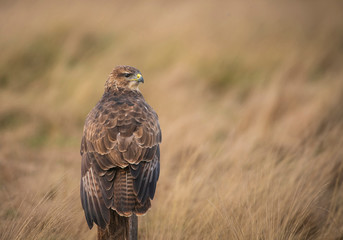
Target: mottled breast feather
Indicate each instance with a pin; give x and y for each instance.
(120, 157)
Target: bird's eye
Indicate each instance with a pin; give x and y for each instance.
(127, 75)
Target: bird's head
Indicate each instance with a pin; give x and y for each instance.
(124, 77)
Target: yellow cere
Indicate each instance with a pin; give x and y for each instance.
(138, 76)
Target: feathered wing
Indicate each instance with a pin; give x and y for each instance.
(120, 157)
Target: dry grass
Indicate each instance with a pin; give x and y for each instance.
(250, 103)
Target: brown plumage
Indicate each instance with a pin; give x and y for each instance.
(120, 151)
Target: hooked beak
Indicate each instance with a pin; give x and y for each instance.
(140, 78)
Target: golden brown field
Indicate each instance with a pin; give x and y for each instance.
(250, 100)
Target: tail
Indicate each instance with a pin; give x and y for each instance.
(125, 201)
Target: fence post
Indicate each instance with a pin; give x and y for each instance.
(119, 228)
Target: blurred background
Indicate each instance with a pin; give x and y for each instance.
(249, 96)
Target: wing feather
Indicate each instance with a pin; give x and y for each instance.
(91, 195)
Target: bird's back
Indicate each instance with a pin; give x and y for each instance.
(120, 157)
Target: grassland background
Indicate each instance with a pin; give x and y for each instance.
(249, 95)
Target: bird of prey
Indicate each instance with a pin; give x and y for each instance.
(120, 151)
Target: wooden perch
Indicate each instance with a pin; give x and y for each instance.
(119, 228)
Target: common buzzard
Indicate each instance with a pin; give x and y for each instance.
(120, 151)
